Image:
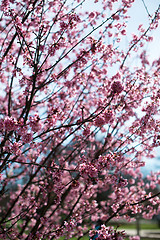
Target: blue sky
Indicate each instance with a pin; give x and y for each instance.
(138, 15)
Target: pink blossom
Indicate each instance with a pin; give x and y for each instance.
(108, 116)
(27, 137)
(91, 15)
(117, 87)
(1, 124)
(99, 121)
(88, 170)
(16, 148)
(35, 123)
(10, 123)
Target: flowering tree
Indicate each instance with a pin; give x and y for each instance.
(76, 118)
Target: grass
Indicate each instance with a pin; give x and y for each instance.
(124, 226)
(142, 226)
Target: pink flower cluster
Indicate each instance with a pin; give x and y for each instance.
(35, 123)
(99, 121)
(117, 87)
(87, 170)
(102, 119)
(108, 116)
(9, 124)
(27, 137)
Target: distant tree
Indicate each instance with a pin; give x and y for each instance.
(66, 82)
